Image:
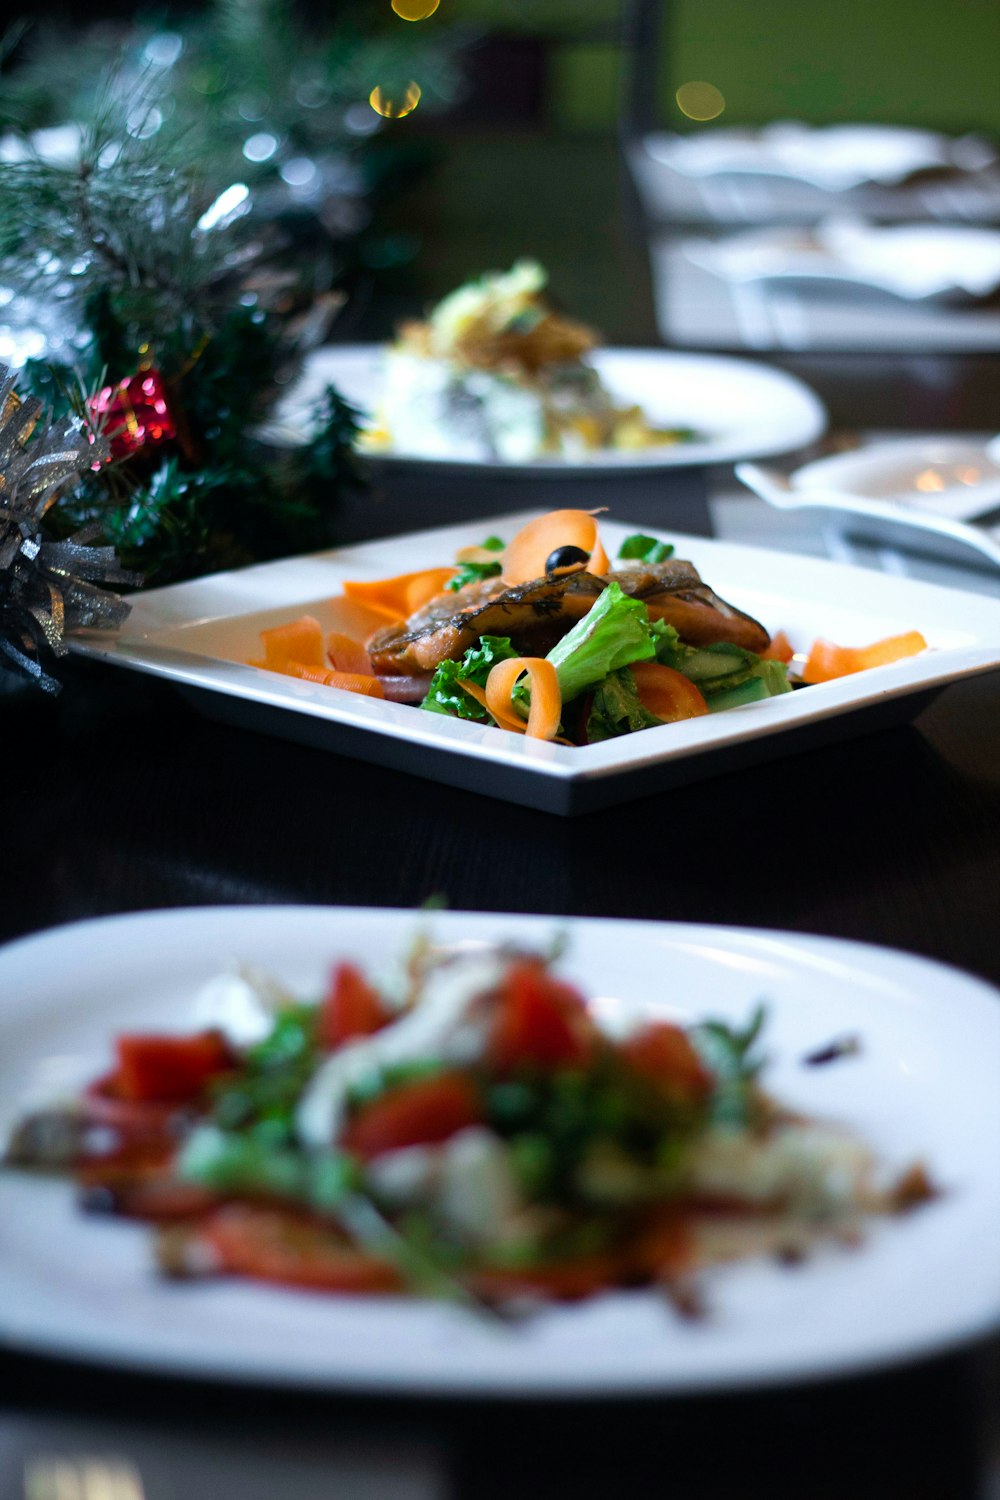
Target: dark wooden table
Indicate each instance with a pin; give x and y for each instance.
(118, 797)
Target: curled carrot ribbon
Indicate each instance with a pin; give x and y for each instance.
(546, 700)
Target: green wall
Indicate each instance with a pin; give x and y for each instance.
(925, 62)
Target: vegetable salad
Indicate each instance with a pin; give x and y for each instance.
(464, 1128)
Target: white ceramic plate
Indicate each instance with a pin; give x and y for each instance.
(200, 635)
(956, 477)
(740, 409)
(925, 494)
(923, 1087)
(834, 157)
(916, 262)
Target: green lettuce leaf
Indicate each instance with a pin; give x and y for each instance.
(615, 632)
(444, 696)
(616, 709)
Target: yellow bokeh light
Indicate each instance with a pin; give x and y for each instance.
(700, 101)
(395, 106)
(415, 10)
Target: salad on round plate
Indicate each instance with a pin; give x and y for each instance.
(496, 373)
(467, 1126)
(543, 634)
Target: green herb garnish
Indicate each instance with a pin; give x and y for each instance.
(473, 572)
(647, 549)
(729, 1052)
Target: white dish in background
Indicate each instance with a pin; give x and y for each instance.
(200, 636)
(916, 262)
(739, 408)
(834, 157)
(923, 493)
(923, 1087)
(956, 477)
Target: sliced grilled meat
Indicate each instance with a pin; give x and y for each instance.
(537, 614)
(543, 609)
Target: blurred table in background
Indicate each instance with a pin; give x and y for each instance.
(698, 307)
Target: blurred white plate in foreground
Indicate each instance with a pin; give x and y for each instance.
(924, 1086)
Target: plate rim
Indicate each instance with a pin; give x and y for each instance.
(967, 991)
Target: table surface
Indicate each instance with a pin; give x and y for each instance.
(119, 797)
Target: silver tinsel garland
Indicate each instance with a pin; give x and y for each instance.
(47, 588)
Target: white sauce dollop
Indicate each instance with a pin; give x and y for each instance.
(438, 1027)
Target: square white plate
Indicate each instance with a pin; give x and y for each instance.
(200, 635)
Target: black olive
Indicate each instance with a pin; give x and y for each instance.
(565, 557)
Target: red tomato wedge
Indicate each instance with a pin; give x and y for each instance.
(540, 1022)
(827, 661)
(132, 1120)
(277, 1245)
(666, 693)
(169, 1069)
(352, 1008)
(422, 1113)
(663, 1054)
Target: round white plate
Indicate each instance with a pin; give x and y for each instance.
(957, 477)
(923, 1087)
(740, 409)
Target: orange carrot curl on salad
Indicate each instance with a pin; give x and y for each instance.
(545, 637)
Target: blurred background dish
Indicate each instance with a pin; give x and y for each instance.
(834, 157)
(938, 496)
(733, 408)
(918, 262)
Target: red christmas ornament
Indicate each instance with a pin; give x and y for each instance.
(135, 413)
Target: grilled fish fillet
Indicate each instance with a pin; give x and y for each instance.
(537, 614)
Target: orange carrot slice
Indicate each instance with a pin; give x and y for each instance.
(526, 556)
(780, 648)
(667, 694)
(299, 640)
(827, 661)
(348, 655)
(351, 682)
(546, 699)
(506, 717)
(398, 598)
